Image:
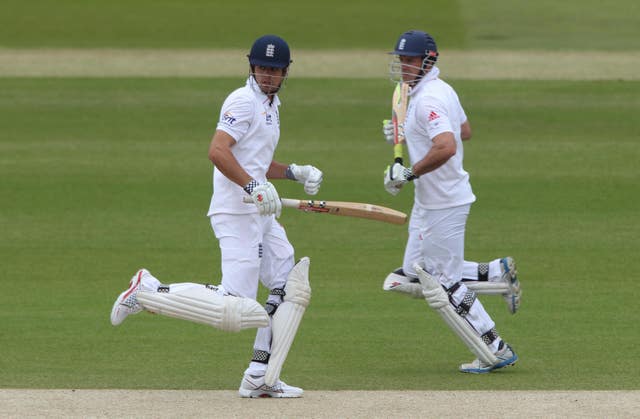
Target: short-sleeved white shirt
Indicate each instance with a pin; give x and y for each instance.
(434, 108)
(254, 122)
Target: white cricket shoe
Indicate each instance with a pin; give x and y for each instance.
(510, 276)
(127, 302)
(506, 356)
(253, 386)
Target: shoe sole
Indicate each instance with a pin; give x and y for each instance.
(504, 364)
(123, 296)
(514, 296)
(256, 394)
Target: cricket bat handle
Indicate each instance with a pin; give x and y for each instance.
(397, 153)
(286, 202)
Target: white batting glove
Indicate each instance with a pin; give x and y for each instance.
(265, 197)
(387, 130)
(309, 176)
(396, 176)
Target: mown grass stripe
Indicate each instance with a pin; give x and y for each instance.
(475, 65)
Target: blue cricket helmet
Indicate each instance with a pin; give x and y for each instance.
(270, 51)
(416, 44)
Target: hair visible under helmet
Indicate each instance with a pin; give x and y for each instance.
(414, 44)
(270, 51)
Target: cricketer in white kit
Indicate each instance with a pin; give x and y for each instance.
(254, 246)
(443, 196)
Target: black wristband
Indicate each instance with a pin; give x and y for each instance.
(248, 188)
(289, 173)
(409, 175)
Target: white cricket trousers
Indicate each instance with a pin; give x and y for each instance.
(443, 256)
(413, 251)
(252, 248)
(442, 244)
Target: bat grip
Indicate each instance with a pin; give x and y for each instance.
(286, 202)
(398, 160)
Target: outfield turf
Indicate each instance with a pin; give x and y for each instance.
(103, 176)
(589, 26)
(100, 176)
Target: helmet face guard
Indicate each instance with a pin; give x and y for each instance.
(270, 51)
(413, 44)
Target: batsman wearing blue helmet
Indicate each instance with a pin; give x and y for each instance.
(253, 245)
(434, 128)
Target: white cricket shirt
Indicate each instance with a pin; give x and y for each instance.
(249, 117)
(434, 108)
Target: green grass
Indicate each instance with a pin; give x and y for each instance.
(329, 24)
(103, 176)
(588, 26)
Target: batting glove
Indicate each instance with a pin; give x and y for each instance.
(387, 130)
(265, 197)
(308, 175)
(397, 175)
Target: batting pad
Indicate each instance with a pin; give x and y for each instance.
(287, 318)
(401, 283)
(488, 288)
(439, 301)
(203, 305)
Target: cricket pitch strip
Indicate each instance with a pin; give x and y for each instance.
(318, 404)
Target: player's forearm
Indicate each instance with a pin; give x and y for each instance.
(465, 131)
(230, 167)
(277, 170)
(222, 157)
(442, 150)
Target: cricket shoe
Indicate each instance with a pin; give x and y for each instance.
(127, 302)
(397, 281)
(253, 386)
(505, 356)
(510, 276)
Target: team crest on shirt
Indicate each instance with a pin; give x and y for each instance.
(269, 119)
(228, 118)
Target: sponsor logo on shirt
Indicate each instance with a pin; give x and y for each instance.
(228, 118)
(433, 116)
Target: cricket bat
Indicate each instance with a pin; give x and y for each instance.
(398, 113)
(347, 209)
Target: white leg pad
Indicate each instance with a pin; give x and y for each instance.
(401, 283)
(438, 300)
(204, 305)
(488, 288)
(287, 318)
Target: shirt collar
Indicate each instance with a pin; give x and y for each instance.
(260, 94)
(431, 75)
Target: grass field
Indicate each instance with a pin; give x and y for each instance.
(103, 175)
(586, 26)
